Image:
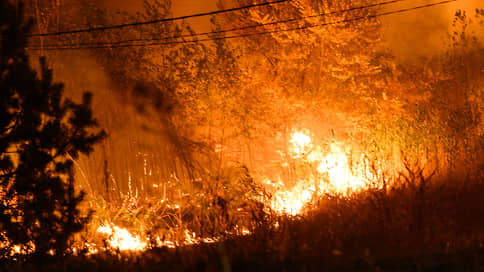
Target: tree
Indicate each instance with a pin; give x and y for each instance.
(330, 58)
(41, 132)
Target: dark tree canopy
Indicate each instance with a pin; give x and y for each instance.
(41, 132)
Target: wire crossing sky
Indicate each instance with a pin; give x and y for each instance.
(102, 28)
(153, 42)
(207, 33)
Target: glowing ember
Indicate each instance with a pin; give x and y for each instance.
(18, 249)
(122, 239)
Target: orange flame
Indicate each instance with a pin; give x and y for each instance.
(334, 175)
(122, 239)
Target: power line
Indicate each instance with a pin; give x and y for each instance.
(99, 46)
(123, 43)
(240, 28)
(155, 21)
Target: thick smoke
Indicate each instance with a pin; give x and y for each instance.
(424, 33)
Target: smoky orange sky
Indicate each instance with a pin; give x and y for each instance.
(180, 7)
(410, 34)
(424, 32)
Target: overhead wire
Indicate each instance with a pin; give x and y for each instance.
(157, 43)
(240, 28)
(103, 28)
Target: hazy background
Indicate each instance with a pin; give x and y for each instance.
(424, 32)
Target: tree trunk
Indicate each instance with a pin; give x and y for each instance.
(39, 23)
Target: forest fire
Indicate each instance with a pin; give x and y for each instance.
(256, 135)
(326, 173)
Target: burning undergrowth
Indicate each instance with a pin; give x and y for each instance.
(317, 147)
(234, 203)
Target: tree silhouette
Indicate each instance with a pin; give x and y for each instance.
(41, 132)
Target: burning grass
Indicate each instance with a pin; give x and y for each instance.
(340, 211)
(228, 203)
(418, 222)
(338, 205)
